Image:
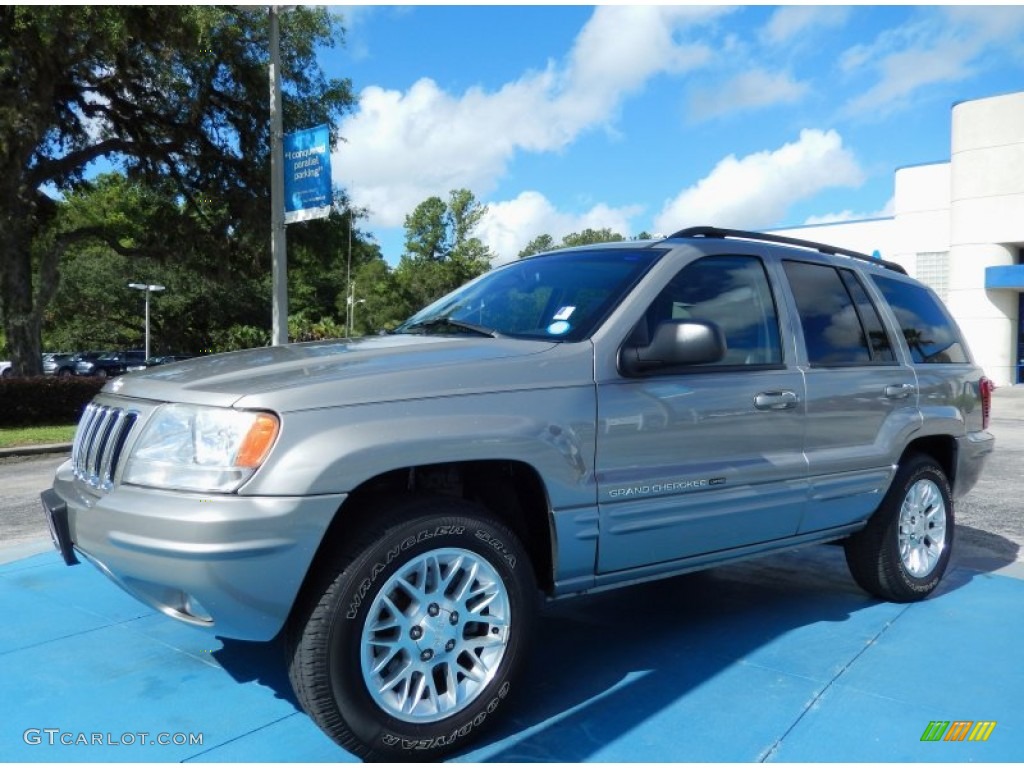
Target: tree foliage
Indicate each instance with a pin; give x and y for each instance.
(176, 96)
(204, 306)
(588, 236)
(442, 252)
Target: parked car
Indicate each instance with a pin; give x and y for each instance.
(579, 420)
(66, 364)
(53, 362)
(156, 360)
(6, 371)
(109, 364)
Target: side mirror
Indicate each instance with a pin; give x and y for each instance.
(675, 342)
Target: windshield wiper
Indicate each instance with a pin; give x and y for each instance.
(447, 322)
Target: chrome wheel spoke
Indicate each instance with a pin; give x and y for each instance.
(468, 578)
(478, 672)
(454, 570)
(403, 676)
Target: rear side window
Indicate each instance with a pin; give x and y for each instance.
(878, 338)
(927, 327)
(840, 325)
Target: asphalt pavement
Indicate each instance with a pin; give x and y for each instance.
(781, 659)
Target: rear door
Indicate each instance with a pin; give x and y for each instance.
(861, 399)
(703, 458)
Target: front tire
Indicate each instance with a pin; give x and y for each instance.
(413, 638)
(903, 551)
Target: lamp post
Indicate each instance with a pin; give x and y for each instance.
(350, 318)
(148, 289)
(278, 242)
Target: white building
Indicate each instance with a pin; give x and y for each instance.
(959, 227)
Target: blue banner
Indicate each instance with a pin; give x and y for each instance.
(307, 174)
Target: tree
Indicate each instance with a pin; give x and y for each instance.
(539, 244)
(441, 251)
(381, 304)
(426, 231)
(171, 94)
(209, 302)
(590, 237)
(93, 307)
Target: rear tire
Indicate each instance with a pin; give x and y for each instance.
(413, 637)
(903, 551)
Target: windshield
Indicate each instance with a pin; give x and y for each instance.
(558, 297)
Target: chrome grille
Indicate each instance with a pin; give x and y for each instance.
(99, 440)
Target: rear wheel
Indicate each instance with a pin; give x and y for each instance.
(903, 551)
(412, 639)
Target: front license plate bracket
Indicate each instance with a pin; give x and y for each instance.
(56, 512)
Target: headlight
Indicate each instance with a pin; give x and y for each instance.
(195, 448)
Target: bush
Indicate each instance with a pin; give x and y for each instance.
(45, 400)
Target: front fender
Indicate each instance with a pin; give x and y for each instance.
(336, 450)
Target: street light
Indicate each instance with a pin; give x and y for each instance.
(350, 318)
(148, 289)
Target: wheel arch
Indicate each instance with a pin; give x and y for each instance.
(941, 448)
(512, 492)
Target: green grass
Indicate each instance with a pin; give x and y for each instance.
(11, 437)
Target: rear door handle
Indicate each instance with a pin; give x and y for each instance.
(775, 401)
(899, 391)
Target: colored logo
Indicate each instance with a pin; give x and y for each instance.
(958, 730)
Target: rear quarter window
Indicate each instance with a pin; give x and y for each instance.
(926, 325)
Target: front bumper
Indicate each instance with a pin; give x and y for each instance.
(233, 564)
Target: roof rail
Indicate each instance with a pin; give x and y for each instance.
(783, 240)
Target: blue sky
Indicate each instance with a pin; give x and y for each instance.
(655, 117)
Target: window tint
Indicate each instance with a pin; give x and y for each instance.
(731, 291)
(832, 327)
(878, 339)
(926, 326)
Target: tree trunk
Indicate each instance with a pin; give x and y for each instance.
(22, 323)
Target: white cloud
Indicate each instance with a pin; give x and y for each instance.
(756, 191)
(750, 90)
(791, 22)
(940, 46)
(886, 211)
(401, 148)
(508, 226)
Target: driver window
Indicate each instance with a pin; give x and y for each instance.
(730, 291)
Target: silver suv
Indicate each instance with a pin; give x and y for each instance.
(396, 506)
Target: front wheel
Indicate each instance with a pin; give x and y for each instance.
(414, 638)
(903, 551)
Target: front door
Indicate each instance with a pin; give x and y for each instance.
(706, 458)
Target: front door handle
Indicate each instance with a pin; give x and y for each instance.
(899, 391)
(775, 401)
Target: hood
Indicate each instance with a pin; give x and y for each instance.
(350, 372)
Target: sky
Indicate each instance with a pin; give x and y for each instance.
(654, 118)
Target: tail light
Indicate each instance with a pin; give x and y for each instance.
(986, 386)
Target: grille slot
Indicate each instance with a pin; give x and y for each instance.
(99, 440)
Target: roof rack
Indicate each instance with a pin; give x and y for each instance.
(783, 240)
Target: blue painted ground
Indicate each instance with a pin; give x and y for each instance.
(783, 659)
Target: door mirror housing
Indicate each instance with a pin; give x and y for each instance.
(675, 343)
